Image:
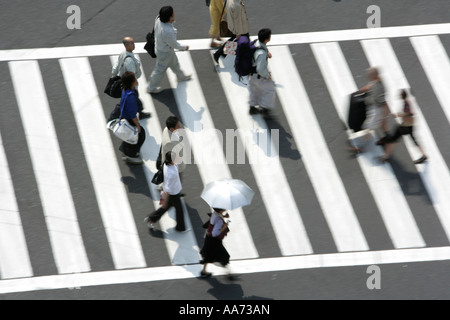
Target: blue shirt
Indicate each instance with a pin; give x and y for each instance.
(128, 104)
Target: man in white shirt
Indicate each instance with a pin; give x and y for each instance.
(165, 45)
(128, 62)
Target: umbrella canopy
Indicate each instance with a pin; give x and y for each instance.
(227, 194)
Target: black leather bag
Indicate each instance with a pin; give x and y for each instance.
(158, 177)
(114, 87)
(150, 45)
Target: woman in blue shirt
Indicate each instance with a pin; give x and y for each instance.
(129, 110)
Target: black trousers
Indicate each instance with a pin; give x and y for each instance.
(174, 201)
(131, 150)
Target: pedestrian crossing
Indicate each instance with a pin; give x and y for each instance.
(121, 209)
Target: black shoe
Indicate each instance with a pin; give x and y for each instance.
(144, 115)
(383, 159)
(421, 160)
(205, 274)
(253, 110)
(267, 114)
(216, 57)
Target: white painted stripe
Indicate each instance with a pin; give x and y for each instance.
(436, 63)
(207, 147)
(435, 173)
(381, 179)
(101, 160)
(204, 44)
(332, 260)
(316, 157)
(267, 170)
(48, 166)
(181, 247)
(14, 259)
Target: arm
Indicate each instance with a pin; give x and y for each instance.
(262, 66)
(133, 65)
(115, 69)
(171, 40)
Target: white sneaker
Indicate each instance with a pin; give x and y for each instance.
(185, 78)
(149, 224)
(155, 90)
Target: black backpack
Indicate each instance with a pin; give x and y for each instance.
(243, 64)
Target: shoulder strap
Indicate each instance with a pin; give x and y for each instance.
(123, 62)
(223, 10)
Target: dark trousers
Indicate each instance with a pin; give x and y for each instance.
(174, 201)
(131, 150)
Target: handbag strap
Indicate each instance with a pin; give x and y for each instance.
(223, 10)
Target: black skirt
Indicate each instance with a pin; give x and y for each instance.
(214, 251)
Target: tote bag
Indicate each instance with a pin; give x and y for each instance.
(123, 130)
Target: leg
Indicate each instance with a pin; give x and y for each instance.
(156, 215)
(253, 94)
(176, 202)
(268, 96)
(158, 72)
(174, 65)
(132, 150)
(424, 156)
(204, 273)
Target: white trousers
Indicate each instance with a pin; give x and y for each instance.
(164, 60)
(262, 92)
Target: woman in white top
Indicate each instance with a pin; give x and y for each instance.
(213, 249)
(171, 194)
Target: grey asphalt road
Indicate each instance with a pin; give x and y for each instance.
(42, 23)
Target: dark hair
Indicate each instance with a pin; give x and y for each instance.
(165, 13)
(404, 94)
(264, 34)
(218, 210)
(171, 122)
(128, 79)
(168, 159)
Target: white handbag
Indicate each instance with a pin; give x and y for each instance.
(123, 130)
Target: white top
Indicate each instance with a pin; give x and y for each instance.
(217, 222)
(122, 65)
(172, 182)
(166, 37)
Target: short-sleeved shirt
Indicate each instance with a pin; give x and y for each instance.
(376, 95)
(129, 104)
(172, 182)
